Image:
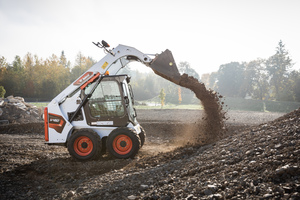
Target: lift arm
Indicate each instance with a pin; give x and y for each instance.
(162, 64)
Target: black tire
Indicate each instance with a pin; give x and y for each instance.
(123, 143)
(142, 136)
(84, 145)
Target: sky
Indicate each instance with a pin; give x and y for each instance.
(205, 33)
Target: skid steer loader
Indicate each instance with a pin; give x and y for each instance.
(95, 113)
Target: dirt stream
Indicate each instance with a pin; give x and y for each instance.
(211, 126)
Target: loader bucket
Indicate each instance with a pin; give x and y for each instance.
(164, 65)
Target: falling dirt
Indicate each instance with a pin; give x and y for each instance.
(212, 127)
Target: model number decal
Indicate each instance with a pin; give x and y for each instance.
(56, 122)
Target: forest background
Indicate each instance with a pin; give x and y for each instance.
(263, 79)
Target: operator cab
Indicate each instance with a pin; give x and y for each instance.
(111, 103)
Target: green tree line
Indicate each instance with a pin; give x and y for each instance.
(262, 79)
(38, 79)
(33, 77)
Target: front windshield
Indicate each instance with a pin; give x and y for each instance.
(106, 100)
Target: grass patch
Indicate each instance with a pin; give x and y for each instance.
(39, 104)
(171, 106)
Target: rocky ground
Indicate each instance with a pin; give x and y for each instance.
(255, 159)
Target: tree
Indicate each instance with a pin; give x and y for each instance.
(277, 67)
(18, 73)
(297, 88)
(256, 80)
(3, 62)
(12, 76)
(82, 64)
(179, 95)
(230, 79)
(162, 97)
(184, 67)
(63, 60)
(2, 92)
(291, 88)
(29, 73)
(17, 65)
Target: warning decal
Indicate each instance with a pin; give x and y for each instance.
(104, 65)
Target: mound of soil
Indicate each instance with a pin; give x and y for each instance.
(260, 162)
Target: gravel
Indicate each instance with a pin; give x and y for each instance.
(255, 159)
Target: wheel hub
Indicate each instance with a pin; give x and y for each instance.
(84, 145)
(123, 144)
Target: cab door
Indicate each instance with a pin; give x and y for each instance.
(106, 106)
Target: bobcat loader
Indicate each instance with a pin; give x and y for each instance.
(95, 113)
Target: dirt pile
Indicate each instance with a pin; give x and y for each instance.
(213, 125)
(261, 162)
(14, 110)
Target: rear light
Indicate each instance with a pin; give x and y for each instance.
(46, 124)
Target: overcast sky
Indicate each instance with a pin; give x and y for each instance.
(206, 34)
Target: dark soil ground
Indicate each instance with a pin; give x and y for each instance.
(257, 158)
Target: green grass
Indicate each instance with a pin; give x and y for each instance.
(39, 104)
(171, 106)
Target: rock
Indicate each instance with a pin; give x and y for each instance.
(166, 197)
(213, 188)
(292, 170)
(248, 152)
(144, 187)
(235, 173)
(13, 100)
(132, 197)
(20, 99)
(223, 152)
(207, 191)
(21, 106)
(216, 196)
(252, 162)
(191, 197)
(80, 189)
(268, 196)
(10, 97)
(70, 194)
(295, 195)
